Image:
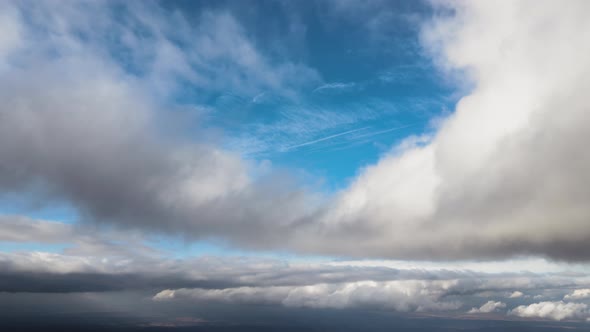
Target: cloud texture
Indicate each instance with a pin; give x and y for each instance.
(503, 175)
(488, 307)
(552, 310)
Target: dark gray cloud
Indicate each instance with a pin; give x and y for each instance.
(80, 282)
(249, 281)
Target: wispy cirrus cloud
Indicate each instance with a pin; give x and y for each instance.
(335, 86)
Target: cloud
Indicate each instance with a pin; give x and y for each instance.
(84, 269)
(324, 138)
(336, 86)
(578, 294)
(78, 126)
(488, 307)
(81, 126)
(515, 295)
(552, 310)
(163, 47)
(23, 229)
(502, 175)
(400, 296)
(207, 280)
(223, 48)
(11, 29)
(89, 240)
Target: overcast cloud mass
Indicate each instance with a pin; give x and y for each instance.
(179, 162)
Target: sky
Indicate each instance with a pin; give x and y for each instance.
(294, 165)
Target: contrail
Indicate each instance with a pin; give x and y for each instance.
(355, 139)
(385, 131)
(324, 138)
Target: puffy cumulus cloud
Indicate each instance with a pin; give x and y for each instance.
(488, 307)
(552, 310)
(504, 173)
(400, 296)
(515, 295)
(80, 125)
(578, 294)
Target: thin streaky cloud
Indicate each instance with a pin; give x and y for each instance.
(334, 86)
(385, 131)
(357, 140)
(324, 138)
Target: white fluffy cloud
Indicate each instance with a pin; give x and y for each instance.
(578, 294)
(552, 310)
(515, 295)
(504, 173)
(488, 307)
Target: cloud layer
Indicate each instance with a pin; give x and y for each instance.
(93, 267)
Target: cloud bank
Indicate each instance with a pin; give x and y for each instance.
(240, 281)
(100, 267)
(399, 296)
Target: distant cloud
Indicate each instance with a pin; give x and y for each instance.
(488, 307)
(243, 280)
(515, 295)
(552, 310)
(336, 86)
(578, 294)
(402, 296)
